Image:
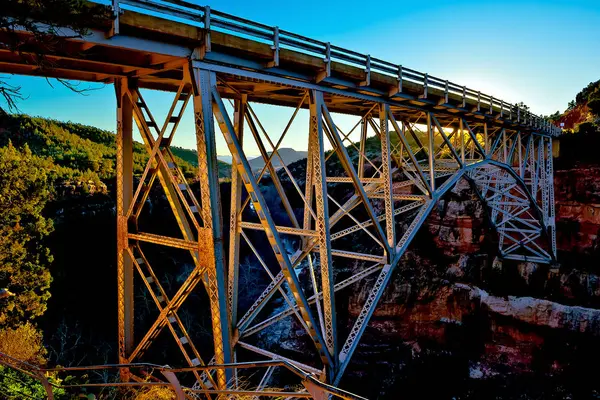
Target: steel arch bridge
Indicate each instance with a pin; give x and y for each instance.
(428, 133)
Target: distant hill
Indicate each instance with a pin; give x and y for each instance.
(77, 150)
(287, 154)
(226, 159)
(191, 156)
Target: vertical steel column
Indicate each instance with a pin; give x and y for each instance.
(551, 214)
(504, 147)
(386, 176)
(308, 189)
(527, 148)
(535, 167)
(544, 181)
(532, 183)
(401, 145)
(235, 217)
(124, 196)
(212, 248)
(363, 139)
(520, 162)
(322, 226)
(431, 150)
(462, 141)
(486, 145)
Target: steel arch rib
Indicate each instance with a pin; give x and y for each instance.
(534, 206)
(386, 273)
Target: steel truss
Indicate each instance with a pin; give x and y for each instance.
(415, 137)
(392, 188)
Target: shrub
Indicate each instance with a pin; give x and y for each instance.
(594, 106)
(587, 128)
(155, 393)
(15, 385)
(23, 343)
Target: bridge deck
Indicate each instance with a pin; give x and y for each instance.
(154, 49)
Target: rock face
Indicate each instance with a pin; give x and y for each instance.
(458, 224)
(488, 323)
(538, 312)
(577, 195)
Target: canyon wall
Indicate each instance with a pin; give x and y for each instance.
(475, 325)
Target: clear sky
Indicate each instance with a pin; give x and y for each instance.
(539, 52)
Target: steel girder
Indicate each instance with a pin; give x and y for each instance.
(199, 227)
(396, 168)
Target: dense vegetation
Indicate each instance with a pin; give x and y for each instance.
(24, 192)
(81, 152)
(581, 120)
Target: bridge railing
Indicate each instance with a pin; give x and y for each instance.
(205, 17)
(313, 386)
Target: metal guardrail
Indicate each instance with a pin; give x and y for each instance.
(205, 17)
(315, 388)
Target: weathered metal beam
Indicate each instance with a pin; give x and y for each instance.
(386, 176)
(212, 249)
(235, 217)
(322, 225)
(124, 196)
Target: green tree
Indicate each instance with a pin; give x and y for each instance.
(24, 260)
(594, 102)
(553, 117)
(587, 128)
(594, 106)
(584, 96)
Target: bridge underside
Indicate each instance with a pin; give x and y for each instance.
(396, 147)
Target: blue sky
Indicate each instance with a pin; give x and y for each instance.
(538, 52)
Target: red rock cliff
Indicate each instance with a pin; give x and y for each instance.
(457, 305)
